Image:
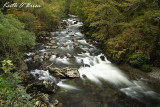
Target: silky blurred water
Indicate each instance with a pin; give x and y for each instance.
(104, 84)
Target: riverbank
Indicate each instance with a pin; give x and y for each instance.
(149, 78)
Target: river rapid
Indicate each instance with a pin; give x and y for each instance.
(101, 83)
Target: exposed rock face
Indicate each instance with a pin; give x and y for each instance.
(64, 72)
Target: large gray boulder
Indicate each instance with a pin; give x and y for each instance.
(64, 72)
(43, 86)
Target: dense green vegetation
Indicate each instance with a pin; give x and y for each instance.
(12, 94)
(20, 26)
(129, 29)
(14, 38)
(19, 30)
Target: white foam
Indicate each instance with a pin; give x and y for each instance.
(105, 71)
(30, 53)
(63, 60)
(138, 90)
(63, 32)
(67, 86)
(28, 59)
(72, 16)
(54, 33)
(79, 34)
(43, 75)
(43, 50)
(53, 57)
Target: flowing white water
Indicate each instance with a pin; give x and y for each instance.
(96, 69)
(67, 86)
(43, 75)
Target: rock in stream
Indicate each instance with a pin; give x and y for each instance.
(64, 72)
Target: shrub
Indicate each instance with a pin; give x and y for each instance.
(135, 63)
(11, 92)
(146, 68)
(30, 21)
(138, 60)
(7, 66)
(14, 39)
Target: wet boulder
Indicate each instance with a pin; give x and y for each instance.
(57, 72)
(43, 86)
(36, 58)
(54, 47)
(70, 23)
(43, 100)
(75, 22)
(102, 58)
(76, 46)
(84, 76)
(64, 45)
(86, 65)
(69, 55)
(63, 24)
(53, 37)
(66, 72)
(47, 47)
(52, 42)
(46, 57)
(57, 55)
(69, 31)
(89, 40)
(47, 38)
(74, 39)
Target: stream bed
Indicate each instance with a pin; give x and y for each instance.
(101, 83)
